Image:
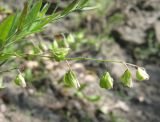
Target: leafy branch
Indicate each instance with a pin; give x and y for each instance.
(33, 19)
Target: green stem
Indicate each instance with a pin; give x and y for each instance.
(8, 70)
(78, 59)
(101, 60)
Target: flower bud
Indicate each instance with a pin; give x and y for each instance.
(71, 80)
(141, 74)
(126, 78)
(60, 53)
(106, 81)
(20, 81)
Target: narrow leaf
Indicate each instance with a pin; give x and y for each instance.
(83, 3)
(44, 21)
(32, 14)
(14, 24)
(93, 98)
(44, 9)
(70, 7)
(5, 27)
(23, 17)
(30, 3)
(4, 57)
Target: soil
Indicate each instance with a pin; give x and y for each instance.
(48, 101)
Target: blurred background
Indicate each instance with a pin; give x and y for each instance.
(126, 30)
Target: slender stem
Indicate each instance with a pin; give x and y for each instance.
(93, 59)
(133, 65)
(3, 63)
(8, 70)
(101, 60)
(79, 59)
(124, 63)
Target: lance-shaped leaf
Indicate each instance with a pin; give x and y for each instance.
(15, 24)
(4, 57)
(70, 79)
(70, 7)
(126, 78)
(33, 13)
(20, 81)
(106, 81)
(141, 74)
(23, 17)
(44, 10)
(83, 3)
(5, 27)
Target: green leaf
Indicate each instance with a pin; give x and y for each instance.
(83, 3)
(14, 24)
(79, 94)
(30, 3)
(93, 98)
(4, 57)
(44, 9)
(33, 13)
(38, 25)
(22, 18)
(71, 80)
(70, 7)
(126, 78)
(89, 8)
(141, 74)
(5, 27)
(106, 81)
